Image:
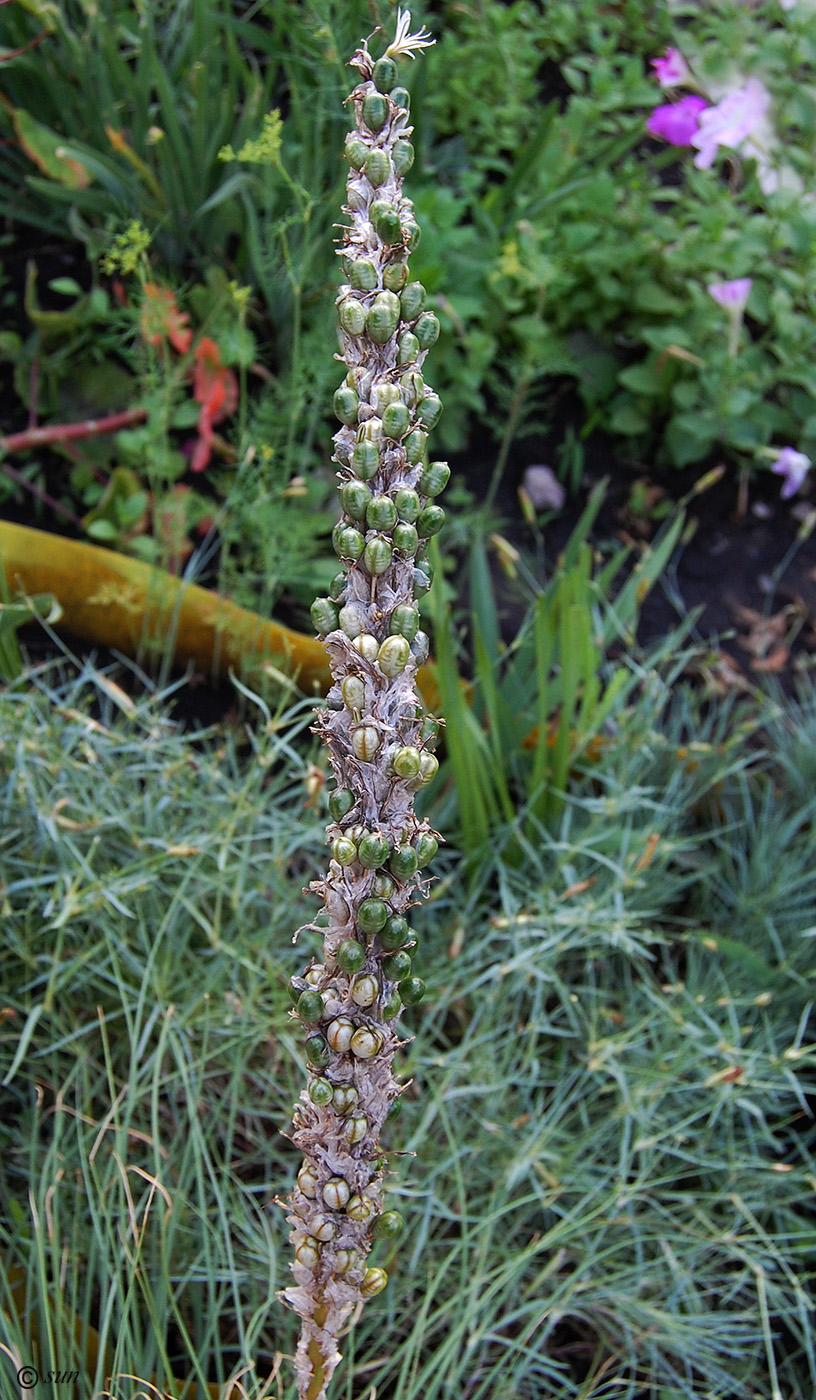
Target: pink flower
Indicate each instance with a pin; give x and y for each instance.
(671, 71)
(677, 122)
(794, 466)
(738, 115)
(731, 295)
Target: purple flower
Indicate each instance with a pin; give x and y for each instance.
(731, 295)
(671, 71)
(677, 122)
(794, 466)
(738, 115)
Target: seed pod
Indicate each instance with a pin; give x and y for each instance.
(426, 847)
(373, 850)
(389, 1225)
(355, 1129)
(391, 1006)
(315, 975)
(346, 404)
(407, 348)
(395, 276)
(310, 1007)
(361, 1209)
(345, 1259)
(395, 653)
(407, 503)
(397, 966)
(365, 990)
(343, 851)
(370, 431)
(383, 317)
(434, 478)
(362, 274)
(412, 300)
(414, 446)
(403, 863)
(350, 956)
(382, 394)
(321, 1092)
(386, 221)
(341, 802)
(401, 97)
(348, 542)
(406, 762)
(307, 1181)
(412, 387)
(352, 619)
(322, 1228)
(308, 1253)
(402, 154)
(396, 421)
(365, 742)
(381, 513)
(367, 646)
(405, 538)
(421, 647)
(317, 1051)
(426, 330)
(337, 587)
(371, 915)
(354, 498)
(365, 460)
(356, 150)
(366, 1043)
(428, 767)
(429, 410)
(378, 167)
(374, 1281)
(377, 555)
(395, 932)
(346, 1098)
(324, 614)
(382, 886)
(353, 692)
(384, 74)
(412, 990)
(375, 111)
(339, 1033)
(294, 991)
(430, 520)
(336, 1192)
(404, 622)
(411, 234)
(421, 581)
(353, 321)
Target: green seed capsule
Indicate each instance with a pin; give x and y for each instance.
(397, 966)
(361, 1208)
(381, 513)
(356, 150)
(377, 168)
(346, 1098)
(426, 330)
(394, 654)
(426, 847)
(336, 1192)
(339, 1033)
(383, 317)
(325, 615)
(314, 975)
(352, 319)
(345, 1259)
(337, 587)
(412, 990)
(407, 348)
(401, 97)
(384, 74)
(421, 581)
(402, 154)
(386, 221)
(343, 851)
(389, 1225)
(396, 421)
(408, 507)
(317, 1051)
(395, 932)
(321, 1093)
(362, 274)
(407, 762)
(353, 692)
(375, 111)
(367, 646)
(348, 542)
(377, 555)
(365, 990)
(365, 460)
(365, 742)
(371, 915)
(412, 300)
(354, 498)
(403, 862)
(365, 1043)
(382, 394)
(308, 1253)
(374, 1281)
(350, 956)
(412, 387)
(395, 275)
(414, 446)
(429, 410)
(307, 1181)
(411, 234)
(346, 404)
(341, 802)
(352, 618)
(404, 622)
(382, 886)
(428, 767)
(421, 647)
(373, 850)
(434, 478)
(430, 520)
(355, 1129)
(405, 538)
(310, 1007)
(392, 1005)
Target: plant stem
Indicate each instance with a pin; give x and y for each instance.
(71, 432)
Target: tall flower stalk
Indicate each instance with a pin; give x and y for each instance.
(373, 725)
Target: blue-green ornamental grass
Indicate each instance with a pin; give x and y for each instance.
(372, 721)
